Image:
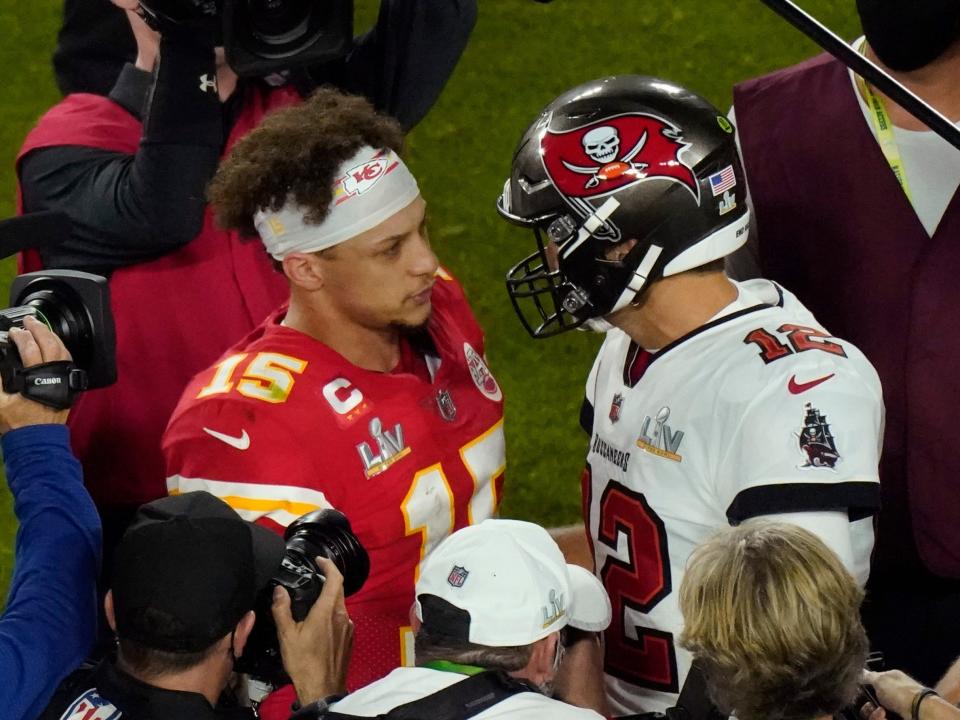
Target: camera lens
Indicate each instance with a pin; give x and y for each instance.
(327, 533)
(324, 533)
(64, 312)
(277, 22)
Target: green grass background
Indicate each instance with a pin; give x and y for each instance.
(521, 56)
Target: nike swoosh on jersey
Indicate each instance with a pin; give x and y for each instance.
(796, 388)
(240, 443)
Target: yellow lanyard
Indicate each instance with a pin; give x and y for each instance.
(884, 128)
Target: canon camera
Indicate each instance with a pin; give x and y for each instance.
(74, 305)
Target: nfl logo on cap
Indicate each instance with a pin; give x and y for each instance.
(457, 576)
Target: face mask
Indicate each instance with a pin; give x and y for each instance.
(909, 34)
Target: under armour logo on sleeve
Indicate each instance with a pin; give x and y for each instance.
(208, 83)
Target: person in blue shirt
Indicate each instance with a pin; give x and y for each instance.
(50, 620)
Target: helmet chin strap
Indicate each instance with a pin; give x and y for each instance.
(593, 223)
(639, 278)
(597, 325)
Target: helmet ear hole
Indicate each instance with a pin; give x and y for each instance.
(621, 251)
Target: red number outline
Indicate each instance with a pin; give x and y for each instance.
(650, 660)
(800, 337)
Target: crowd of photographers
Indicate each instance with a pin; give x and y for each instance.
(193, 592)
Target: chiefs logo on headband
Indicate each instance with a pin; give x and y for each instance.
(609, 154)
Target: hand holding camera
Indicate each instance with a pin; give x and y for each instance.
(896, 692)
(36, 344)
(316, 651)
(260, 36)
(313, 637)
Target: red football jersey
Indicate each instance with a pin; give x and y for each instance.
(283, 425)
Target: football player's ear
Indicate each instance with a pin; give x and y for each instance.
(108, 610)
(543, 663)
(415, 623)
(304, 270)
(619, 251)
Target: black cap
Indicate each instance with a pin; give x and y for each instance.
(188, 568)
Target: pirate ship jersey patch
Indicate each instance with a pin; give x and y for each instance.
(816, 442)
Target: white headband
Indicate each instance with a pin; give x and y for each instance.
(370, 187)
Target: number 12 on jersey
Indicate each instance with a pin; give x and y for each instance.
(800, 339)
(636, 583)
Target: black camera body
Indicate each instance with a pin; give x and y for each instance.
(866, 693)
(76, 307)
(324, 533)
(261, 37)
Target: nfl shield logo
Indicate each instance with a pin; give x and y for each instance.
(457, 576)
(448, 411)
(615, 407)
(91, 706)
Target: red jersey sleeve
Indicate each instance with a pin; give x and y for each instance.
(253, 462)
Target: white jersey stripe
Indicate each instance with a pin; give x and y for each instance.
(280, 503)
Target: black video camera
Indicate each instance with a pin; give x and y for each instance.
(261, 37)
(324, 533)
(74, 305)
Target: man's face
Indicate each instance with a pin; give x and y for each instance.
(383, 277)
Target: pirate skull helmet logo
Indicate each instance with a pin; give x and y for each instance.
(602, 143)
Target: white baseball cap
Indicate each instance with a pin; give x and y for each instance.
(506, 583)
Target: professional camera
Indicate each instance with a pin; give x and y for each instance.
(74, 305)
(326, 533)
(261, 37)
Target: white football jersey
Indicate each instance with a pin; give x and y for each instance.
(408, 684)
(759, 411)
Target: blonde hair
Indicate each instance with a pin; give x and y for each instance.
(773, 616)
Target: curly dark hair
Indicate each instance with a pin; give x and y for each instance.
(295, 153)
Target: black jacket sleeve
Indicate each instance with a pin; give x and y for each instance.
(131, 208)
(403, 63)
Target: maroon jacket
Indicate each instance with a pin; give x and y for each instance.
(836, 228)
(174, 315)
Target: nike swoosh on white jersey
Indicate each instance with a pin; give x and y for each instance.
(240, 443)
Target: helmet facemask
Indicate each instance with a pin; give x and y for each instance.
(571, 281)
